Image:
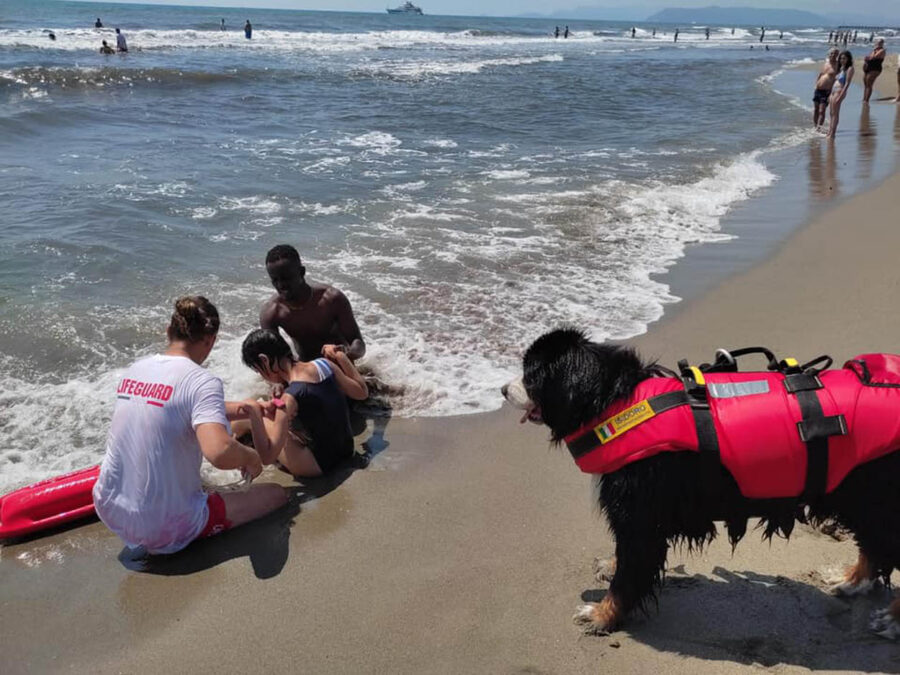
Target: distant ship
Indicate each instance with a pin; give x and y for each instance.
(406, 8)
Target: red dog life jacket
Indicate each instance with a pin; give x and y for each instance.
(766, 425)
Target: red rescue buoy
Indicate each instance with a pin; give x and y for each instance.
(48, 503)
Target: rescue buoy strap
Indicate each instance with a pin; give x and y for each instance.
(606, 429)
(822, 427)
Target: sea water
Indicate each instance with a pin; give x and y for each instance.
(467, 182)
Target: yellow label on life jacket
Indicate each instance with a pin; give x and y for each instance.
(618, 424)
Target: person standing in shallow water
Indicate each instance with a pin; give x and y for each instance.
(566, 33)
(872, 66)
(314, 316)
(98, 23)
(121, 45)
(841, 87)
(676, 35)
(248, 30)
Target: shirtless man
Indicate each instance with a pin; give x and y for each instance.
(313, 315)
(824, 85)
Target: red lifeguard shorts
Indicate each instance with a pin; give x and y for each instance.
(217, 522)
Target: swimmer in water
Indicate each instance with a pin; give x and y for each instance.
(248, 30)
(314, 316)
(106, 49)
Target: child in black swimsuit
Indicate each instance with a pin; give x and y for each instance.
(310, 428)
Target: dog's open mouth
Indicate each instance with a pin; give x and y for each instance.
(533, 414)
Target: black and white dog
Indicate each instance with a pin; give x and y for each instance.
(655, 502)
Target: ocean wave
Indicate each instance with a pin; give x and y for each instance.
(416, 70)
(76, 78)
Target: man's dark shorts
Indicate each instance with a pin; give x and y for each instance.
(821, 96)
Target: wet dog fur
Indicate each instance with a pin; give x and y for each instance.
(677, 497)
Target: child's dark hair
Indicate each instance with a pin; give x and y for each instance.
(266, 342)
(194, 318)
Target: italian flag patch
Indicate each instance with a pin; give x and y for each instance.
(621, 422)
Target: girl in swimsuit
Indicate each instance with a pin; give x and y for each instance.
(310, 432)
(841, 87)
(872, 67)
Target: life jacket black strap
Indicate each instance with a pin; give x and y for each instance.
(815, 430)
(591, 438)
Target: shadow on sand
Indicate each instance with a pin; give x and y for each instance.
(264, 541)
(751, 618)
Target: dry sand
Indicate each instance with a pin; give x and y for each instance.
(468, 543)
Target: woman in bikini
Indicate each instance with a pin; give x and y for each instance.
(310, 433)
(841, 87)
(872, 67)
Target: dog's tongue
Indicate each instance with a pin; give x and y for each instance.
(531, 415)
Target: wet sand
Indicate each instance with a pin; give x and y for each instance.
(467, 544)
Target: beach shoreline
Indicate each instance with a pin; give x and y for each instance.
(467, 544)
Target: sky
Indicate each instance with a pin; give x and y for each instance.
(517, 7)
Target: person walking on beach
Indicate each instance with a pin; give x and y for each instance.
(248, 30)
(313, 315)
(170, 412)
(121, 45)
(98, 23)
(824, 85)
(841, 87)
(872, 67)
(310, 430)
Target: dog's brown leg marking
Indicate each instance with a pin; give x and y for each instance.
(605, 570)
(861, 572)
(600, 618)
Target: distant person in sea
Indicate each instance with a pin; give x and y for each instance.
(633, 31)
(556, 32)
(98, 23)
(310, 431)
(566, 33)
(871, 37)
(762, 33)
(106, 49)
(121, 45)
(222, 27)
(781, 35)
(732, 31)
(676, 35)
(314, 316)
(824, 85)
(248, 30)
(51, 35)
(841, 87)
(830, 36)
(855, 33)
(872, 67)
(654, 32)
(169, 414)
(707, 32)
(767, 47)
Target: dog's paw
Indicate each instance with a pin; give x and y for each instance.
(849, 589)
(604, 570)
(590, 618)
(883, 624)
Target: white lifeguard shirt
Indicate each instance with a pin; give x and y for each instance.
(149, 491)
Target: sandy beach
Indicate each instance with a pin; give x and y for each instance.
(468, 542)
